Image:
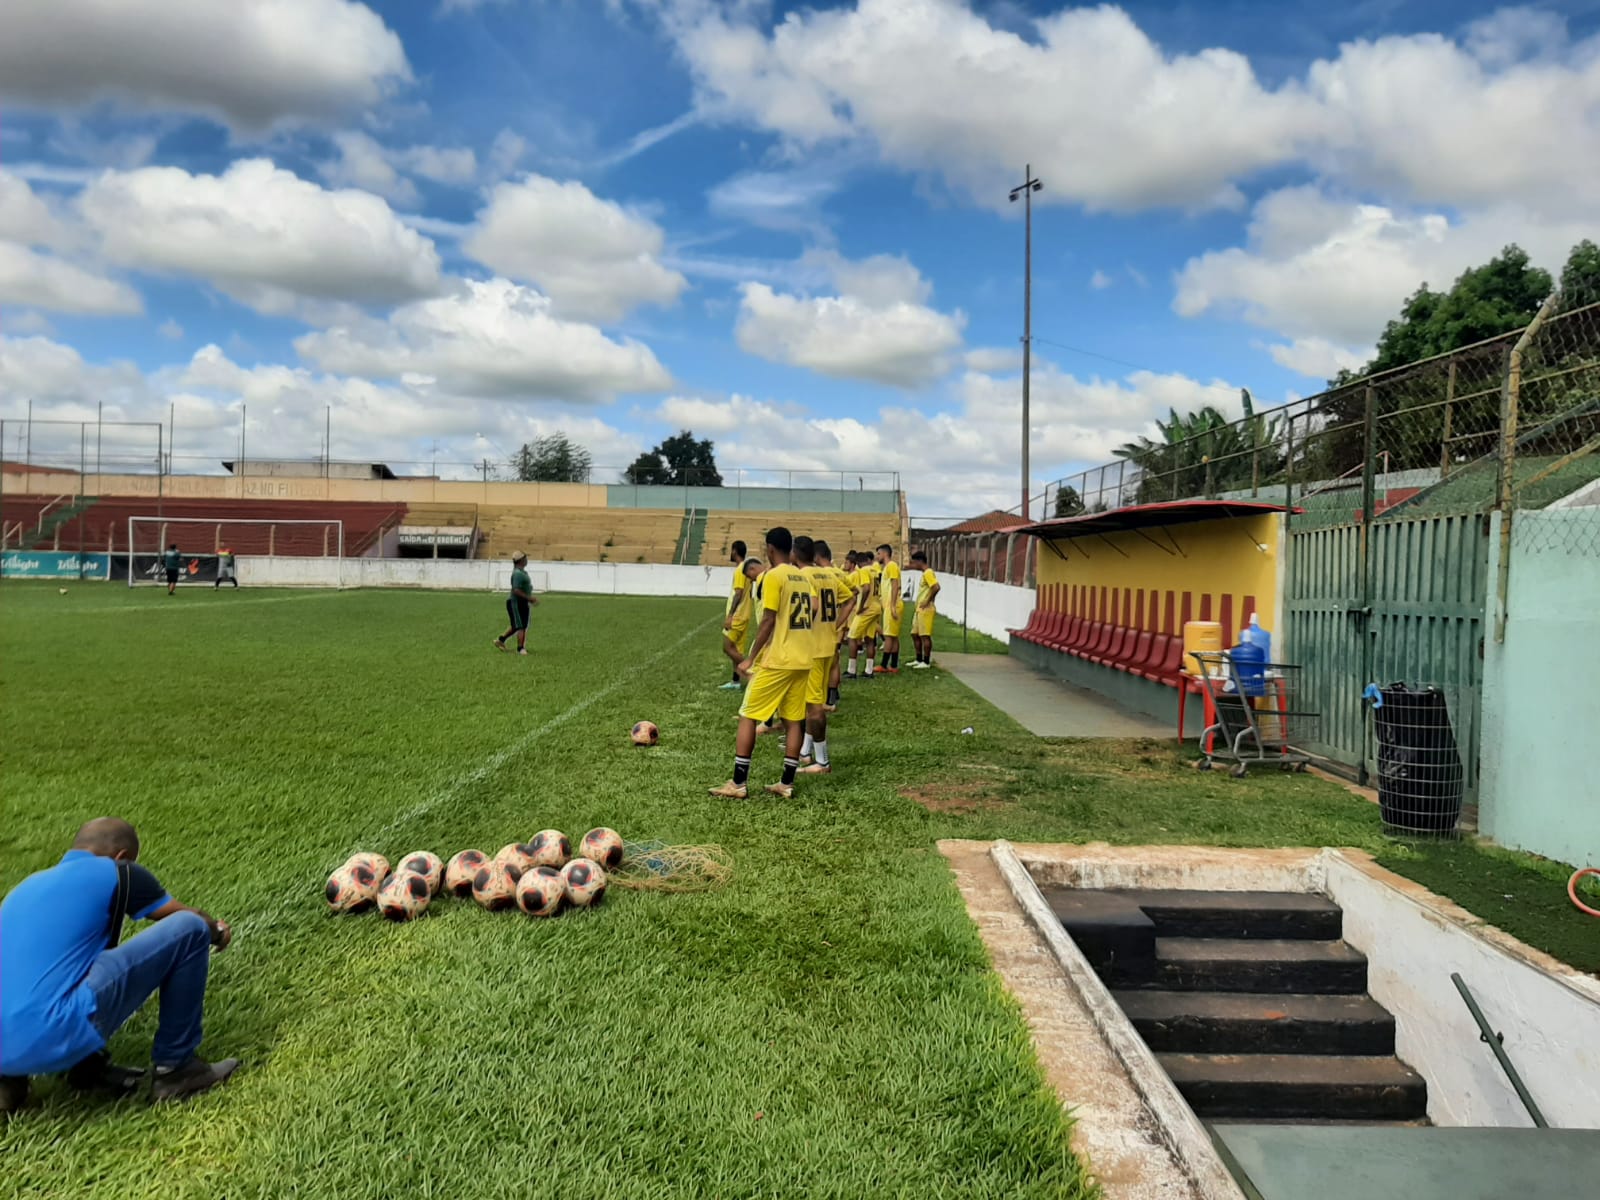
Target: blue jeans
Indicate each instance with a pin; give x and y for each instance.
(172, 957)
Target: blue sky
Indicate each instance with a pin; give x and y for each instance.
(460, 225)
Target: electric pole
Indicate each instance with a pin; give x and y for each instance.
(1026, 189)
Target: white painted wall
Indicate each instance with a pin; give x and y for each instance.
(1551, 1022)
(1541, 706)
(484, 575)
(990, 608)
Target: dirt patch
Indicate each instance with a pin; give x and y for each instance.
(959, 797)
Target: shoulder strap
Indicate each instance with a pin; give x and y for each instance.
(119, 905)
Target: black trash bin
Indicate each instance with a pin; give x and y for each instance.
(1420, 779)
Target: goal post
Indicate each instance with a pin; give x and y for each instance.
(202, 540)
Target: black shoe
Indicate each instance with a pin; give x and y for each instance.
(13, 1093)
(98, 1073)
(195, 1076)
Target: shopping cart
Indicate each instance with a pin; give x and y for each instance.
(1253, 718)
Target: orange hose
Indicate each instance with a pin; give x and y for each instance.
(1572, 889)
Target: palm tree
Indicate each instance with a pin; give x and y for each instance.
(1202, 453)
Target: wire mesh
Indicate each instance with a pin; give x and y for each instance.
(1421, 780)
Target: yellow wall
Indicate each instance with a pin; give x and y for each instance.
(1219, 561)
(260, 487)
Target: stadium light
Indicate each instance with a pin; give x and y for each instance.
(1026, 189)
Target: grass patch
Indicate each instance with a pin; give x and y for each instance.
(947, 635)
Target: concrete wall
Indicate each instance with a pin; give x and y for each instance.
(484, 575)
(1208, 561)
(251, 487)
(1541, 703)
(991, 608)
(752, 499)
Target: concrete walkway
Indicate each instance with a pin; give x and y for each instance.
(1044, 706)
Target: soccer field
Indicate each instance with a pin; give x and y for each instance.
(825, 1026)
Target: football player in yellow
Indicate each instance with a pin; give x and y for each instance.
(922, 619)
(782, 657)
(869, 615)
(833, 594)
(889, 598)
(847, 590)
(737, 611)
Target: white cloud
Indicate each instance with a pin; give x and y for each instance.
(171, 330)
(28, 322)
(784, 200)
(1506, 115)
(250, 63)
(47, 372)
(364, 164)
(991, 359)
(24, 217)
(489, 339)
(506, 152)
(1315, 267)
(44, 281)
(262, 235)
(1099, 281)
(1318, 357)
(593, 258)
(442, 164)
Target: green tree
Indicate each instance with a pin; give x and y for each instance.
(1202, 453)
(678, 461)
(1068, 502)
(1580, 278)
(555, 458)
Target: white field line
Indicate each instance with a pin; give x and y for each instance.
(211, 606)
(478, 774)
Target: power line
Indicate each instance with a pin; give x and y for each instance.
(1095, 354)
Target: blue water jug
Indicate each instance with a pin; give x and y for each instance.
(1249, 665)
(1260, 637)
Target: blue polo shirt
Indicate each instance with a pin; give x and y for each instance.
(53, 925)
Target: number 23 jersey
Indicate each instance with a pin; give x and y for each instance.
(786, 592)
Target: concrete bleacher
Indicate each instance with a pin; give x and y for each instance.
(103, 525)
(20, 518)
(449, 516)
(580, 534)
(841, 530)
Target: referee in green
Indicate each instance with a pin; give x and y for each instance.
(518, 604)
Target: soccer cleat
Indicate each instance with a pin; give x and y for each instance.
(920, 666)
(830, 708)
(98, 1073)
(784, 791)
(13, 1093)
(522, 650)
(730, 791)
(195, 1076)
(499, 645)
(762, 729)
(730, 686)
(816, 768)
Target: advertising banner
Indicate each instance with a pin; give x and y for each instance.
(54, 564)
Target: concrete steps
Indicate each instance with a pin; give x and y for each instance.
(1252, 1001)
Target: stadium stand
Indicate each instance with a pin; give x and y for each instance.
(450, 515)
(580, 534)
(24, 520)
(103, 525)
(842, 531)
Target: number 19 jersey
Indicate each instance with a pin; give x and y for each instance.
(789, 594)
(834, 590)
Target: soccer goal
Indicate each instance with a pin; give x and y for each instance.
(202, 541)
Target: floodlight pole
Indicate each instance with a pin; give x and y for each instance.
(1026, 189)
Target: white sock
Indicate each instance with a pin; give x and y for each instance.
(821, 752)
(869, 664)
(805, 747)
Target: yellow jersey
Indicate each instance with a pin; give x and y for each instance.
(834, 590)
(738, 606)
(867, 581)
(925, 588)
(889, 585)
(787, 593)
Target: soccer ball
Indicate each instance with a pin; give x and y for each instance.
(517, 859)
(586, 882)
(427, 865)
(541, 891)
(550, 848)
(376, 863)
(458, 875)
(645, 733)
(61, 591)
(404, 897)
(493, 887)
(603, 846)
(351, 889)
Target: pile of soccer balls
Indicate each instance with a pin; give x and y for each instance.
(540, 877)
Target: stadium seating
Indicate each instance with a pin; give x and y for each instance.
(623, 535)
(19, 517)
(455, 516)
(103, 525)
(842, 531)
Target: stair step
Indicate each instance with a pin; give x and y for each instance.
(1257, 965)
(1259, 1023)
(1112, 931)
(1238, 914)
(1298, 1085)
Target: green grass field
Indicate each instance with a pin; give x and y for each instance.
(827, 1025)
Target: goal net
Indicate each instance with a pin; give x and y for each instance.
(204, 543)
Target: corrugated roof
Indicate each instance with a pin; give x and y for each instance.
(989, 522)
(1144, 516)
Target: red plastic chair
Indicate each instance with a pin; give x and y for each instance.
(1113, 648)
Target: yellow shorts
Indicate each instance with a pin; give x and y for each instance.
(922, 623)
(781, 692)
(738, 635)
(818, 681)
(865, 626)
(891, 623)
